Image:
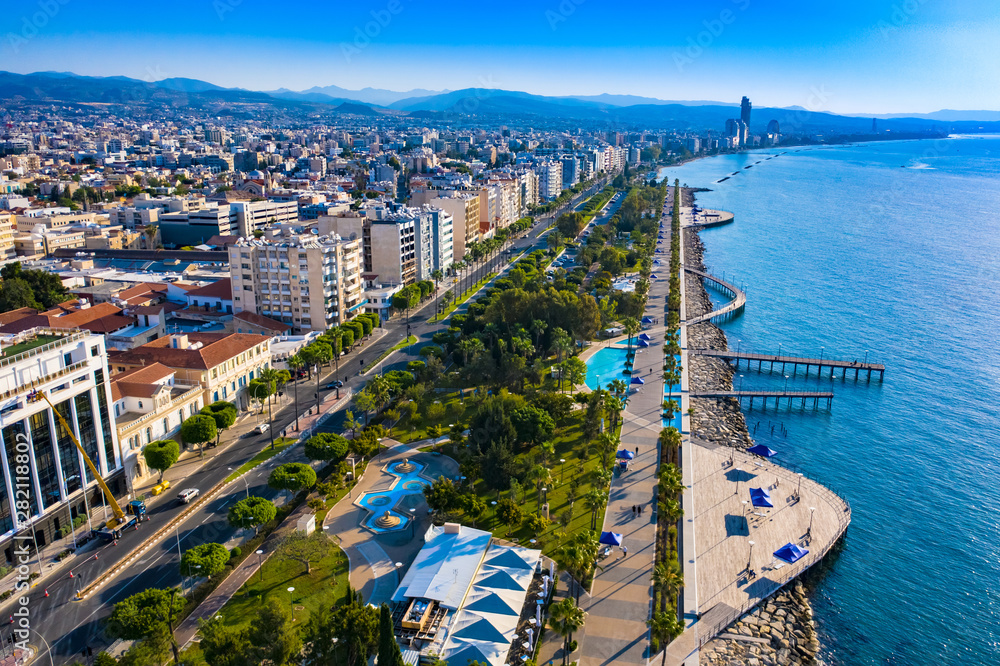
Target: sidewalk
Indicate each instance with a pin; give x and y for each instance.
(621, 600)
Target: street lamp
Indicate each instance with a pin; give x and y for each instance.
(244, 482)
(291, 602)
(812, 512)
(741, 384)
(786, 383)
(779, 349)
(494, 503)
(750, 555)
(562, 468)
(739, 475)
(798, 491)
(866, 357)
(260, 563)
(413, 523)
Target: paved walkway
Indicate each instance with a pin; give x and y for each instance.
(372, 556)
(621, 596)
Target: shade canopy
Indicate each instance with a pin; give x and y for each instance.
(637, 380)
(652, 275)
(761, 450)
(647, 320)
(790, 553)
(645, 336)
(759, 497)
(642, 343)
(625, 453)
(611, 539)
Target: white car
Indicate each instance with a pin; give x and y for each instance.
(185, 496)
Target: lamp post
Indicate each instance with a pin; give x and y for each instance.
(779, 349)
(562, 468)
(866, 357)
(786, 383)
(812, 512)
(741, 384)
(291, 602)
(260, 563)
(494, 503)
(821, 350)
(798, 491)
(244, 482)
(750, 555)
(739, 343)
(739, 474)
(413, 523)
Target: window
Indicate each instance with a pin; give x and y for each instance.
(215, 397)
(140, 404)
(67, 359)
(95, 350)
(166, 426)
(149, 435)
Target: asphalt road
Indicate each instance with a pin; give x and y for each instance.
(62, 628)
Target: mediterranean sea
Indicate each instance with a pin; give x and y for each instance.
(888, 250)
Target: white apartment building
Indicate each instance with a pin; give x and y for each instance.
(254, 215)
(550, 183)
(70, 367)
(464, 210)
(310, 282)
(435, 241)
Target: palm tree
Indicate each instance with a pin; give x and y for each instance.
(631, 326)
(671, 483)
(538, 327)
(565, 617)
(437, 274)
(270, 376)
(595, 501)
(667, 576)
(672, 510)
(665, 627)
(470, 347)
(542, 477)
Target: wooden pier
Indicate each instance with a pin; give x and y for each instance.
(736, 305)
(778, 396)
(821, 364)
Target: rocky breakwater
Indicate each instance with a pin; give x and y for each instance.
(718, 421)
(779, 632)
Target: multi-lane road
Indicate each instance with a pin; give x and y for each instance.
(63, 628)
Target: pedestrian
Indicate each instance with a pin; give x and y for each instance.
(624, 551)
(637, 450)
(633, 510)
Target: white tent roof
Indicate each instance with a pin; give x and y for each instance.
(445, 566)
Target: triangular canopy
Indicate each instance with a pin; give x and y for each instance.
(761, 450)
(652, 275)
(759, 497)
(471, 653)
(637, 380)
(480, 631)
(492, 603)
(791, 553)
(642, 343)
(509, 559)
(625, 453)
(611, 539)
(645, 336)
(501, 580)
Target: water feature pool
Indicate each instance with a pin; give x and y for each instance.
(407, 486)
(605, 366)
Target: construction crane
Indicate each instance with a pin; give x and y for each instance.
(136, 508)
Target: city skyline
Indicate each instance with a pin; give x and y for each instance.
(869, 58)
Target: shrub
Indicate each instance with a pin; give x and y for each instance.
(235, 553)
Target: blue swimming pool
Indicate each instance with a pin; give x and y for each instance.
(605, 366)
(378, 502)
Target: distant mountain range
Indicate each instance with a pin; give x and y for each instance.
(613, 111)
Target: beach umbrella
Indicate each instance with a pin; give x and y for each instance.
(790, 553)
(761, 450)
(626, 454)
(610, 539)
(637, 380)
(643, 343)
(759, 497)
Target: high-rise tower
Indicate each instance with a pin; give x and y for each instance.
(745, 110)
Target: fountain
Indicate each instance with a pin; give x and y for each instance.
(387, 521)
(405, 467)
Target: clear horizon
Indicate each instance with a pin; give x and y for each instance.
(872, 57)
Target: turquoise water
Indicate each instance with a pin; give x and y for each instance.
(890, 249)
(408, 483)
(605, 366)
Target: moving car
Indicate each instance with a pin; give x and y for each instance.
(185, 496)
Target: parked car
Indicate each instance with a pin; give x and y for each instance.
(185, 496)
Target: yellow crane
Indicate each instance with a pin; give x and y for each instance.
(137, 508)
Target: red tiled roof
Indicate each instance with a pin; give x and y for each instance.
(100, 318)
(222, 289)
(218, 348)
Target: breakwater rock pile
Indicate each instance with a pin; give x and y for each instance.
(779, 632)
(718, 421)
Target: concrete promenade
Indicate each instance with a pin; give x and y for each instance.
(621, 596)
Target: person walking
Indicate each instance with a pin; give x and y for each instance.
(624, 551)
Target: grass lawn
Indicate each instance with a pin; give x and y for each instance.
(28, 345)
(325, 584)
(568, 441)
(472, 290)
(280, 445)
(454, 412)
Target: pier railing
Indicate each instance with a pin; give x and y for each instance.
(788, 573)
(738, 303)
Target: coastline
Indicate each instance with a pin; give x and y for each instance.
(780, 631)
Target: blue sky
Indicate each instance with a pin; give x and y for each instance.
(849, 56)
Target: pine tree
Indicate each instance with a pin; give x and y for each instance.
(388, 648)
